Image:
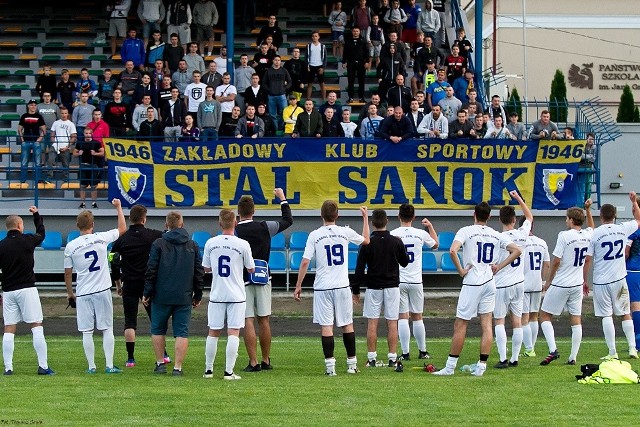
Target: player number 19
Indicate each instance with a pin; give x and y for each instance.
(335, 255)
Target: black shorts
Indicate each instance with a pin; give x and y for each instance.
(315, 72)
(90, 176)
(131, 295)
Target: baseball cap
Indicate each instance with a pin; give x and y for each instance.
(32, 101)
(430, 61)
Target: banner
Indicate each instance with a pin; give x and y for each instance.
(431, 174)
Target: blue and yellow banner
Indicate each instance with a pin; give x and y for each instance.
(431, 174)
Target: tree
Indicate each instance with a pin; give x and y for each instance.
(636, 115)
(558, 98)
(627, 108)
(514, 104)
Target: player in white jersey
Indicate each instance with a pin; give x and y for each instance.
(411, 290)
(332, 300)
(87, 255)
(480, 245)
(225, 256)
(566, 283)
(536, 267)
(610, 290)
(510, 283)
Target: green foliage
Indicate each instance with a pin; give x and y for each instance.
(514, 104)
(627, 111)
(558, 99)
(636, 115)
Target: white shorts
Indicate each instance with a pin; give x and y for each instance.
(611, 299)
(258, 300)
(117, 27)
(411, 298)
(95, 311)
(183, 32)
(558, 299)
(234, 312)
(374, 299)
(333, 304)
(475, 300)
(531, 302)
(22, 305)
(508, 299)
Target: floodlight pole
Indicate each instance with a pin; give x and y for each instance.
(478, 52)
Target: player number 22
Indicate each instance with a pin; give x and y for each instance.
(335, 255)
(611, 247)
(92, 254)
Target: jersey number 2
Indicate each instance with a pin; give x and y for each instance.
(92, 254)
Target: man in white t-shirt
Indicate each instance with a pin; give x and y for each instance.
(610, 290)
(87, 255)
(480, 245)
(510, 284)
(63, 137)
(225, 256)
(411, 288)
(194, 94)
(536, 267)
(226, 95)
(565, 284)
(332, 300)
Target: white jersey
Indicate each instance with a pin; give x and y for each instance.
(571, 248)
(329, 245)
(226, 256)
(607, 249)
(226, 90)
(480, 247)
(87, 255)
(535, 254)
(413, 239)
(195, 93)
(513, 273)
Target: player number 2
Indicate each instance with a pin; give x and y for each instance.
(580, 255)
(611, 247)
(223, 266)
(485, 252)
(411, 255)
(92, 254)
(335, 255)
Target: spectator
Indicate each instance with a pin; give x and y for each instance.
(151, 128)
(392, 38)
(164, 94)
(460, 128)
(155, 49)
(133, 50)
(194, 94)
(157, 76)
(399, 95)
(472, 94)
(250, 125)
(450, 104)
(337, 20)
(242, 77)
(140, 113)
(434, 124)
(179, 23)
(173, 53)
(437, 90)
(129, 79)
(410, 26)
(46, 83)
(221, 60)
(256, 93)
(567, 134)
(415, 115)
(586, 170)
(82, 113)
(317, 63)
(181, 78)
(331, 128)
(455, 65)
(269, 42)
(424, 66)
(173, 113)
(263, 60)
(380, 108)
(543, 128)
(117, 114)
(66, 90)
(189, 132)
(462, 85)
(422, 106)
(348, 127)
(91, 154)
(380, 8)
(276, 83)
(517, 129)
(226, 95)
(86, 85)
(396, 128)
(356, 59)
(210, 116)
(106, 85)
(271, 29)
(441, 37)
(151, 14)
(173, 285)
(463, 44)
(99, 128)
(496, 109)
(390, 66)
(498, 131)
(479, 128)
(374, 37)
(50, 112)
(332, 102)
(118, 13)
(309, 123)
(64, 136)
(370, 124)
(145, 88)
(395, 18)
(290, 114)
(269, 123)
(361, 16)
(249, 15)
(428, 22)
(212, 77)
(229, 124)
(297, 69)
(31, 131)
(193, 60)
(205, 16)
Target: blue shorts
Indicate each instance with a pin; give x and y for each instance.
(337, 36)
(180, 319)
(633, 282)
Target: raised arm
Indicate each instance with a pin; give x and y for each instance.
(634, 207)
(587, 207)
(365, 225)
(122, 223)
(432, 232)
(525, 209)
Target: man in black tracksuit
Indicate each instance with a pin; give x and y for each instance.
(356, 58)
(382, 257)
(259, 235)
(129, 265)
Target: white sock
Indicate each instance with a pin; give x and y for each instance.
(526, 337)
(609, 334)
(451, 363)
(392, 356)
(549, 335)
(233, 342)
(352, 363)
(330, 364)
(404, 334)
(516, 344)
(210, 349)
(8, 344)
(108, 346)
(534, 333)
(501, 342)
(576, 339)
(372, 355)
(89, 348)
(627, 328)
(420, 333)
(40, 346)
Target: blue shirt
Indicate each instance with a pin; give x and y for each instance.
(633, 262)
